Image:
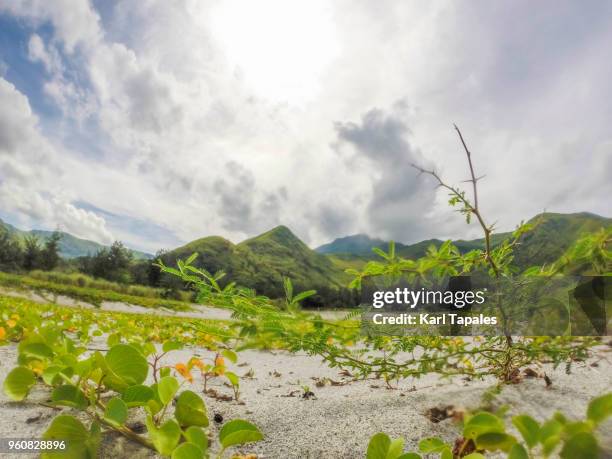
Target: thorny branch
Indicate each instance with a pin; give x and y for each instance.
(471, 208)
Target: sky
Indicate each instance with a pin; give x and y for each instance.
(157, 122)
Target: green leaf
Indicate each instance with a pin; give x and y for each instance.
(572, 428)
(238, 432)
(495, 440)
(474, 456)
(39, 351)
(80, 443)
(600, 408)
(412, 456)
(518, 451)
(481, 423)
(396, 448)
(431, 445)
(187, 451)
(230, 355)
(196, 436)
(116, 410)
(125, 366)
(550, 428)
(233, 378)
(50, 375)
(69, 395)
(446, 453)
(18, 383)
(191, 258)
(582, 444)
(191, 410)
(171, 346)
(378, 446)
(528, 427)
(166, 388)
(166, 437)
(137, 395)
(303, 295)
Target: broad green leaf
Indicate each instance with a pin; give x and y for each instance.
(446, 453)
(600, 408)
(549, 429)
(18, 383)
(378, 446)
(166, 437)
(412, 456)
(171, 346)
(518, 451)
(116, 410)
(84, 367)
(481, 423)
(580, 445)
(230, 355)
(233, 378)
(431, 445)
(50, 375)
(572, 428)
(396, 448)
(80, 443)
(238, 432)
(196, 436)
(166, 388)
(137, 395)
(69, 395)
(550, 444)
(39, 351)
(474, 456)
(495, 440)
(191, 410)
(125, 366)
(528, 427)
(187, 451)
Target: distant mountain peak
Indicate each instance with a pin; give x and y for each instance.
(356, 243)
(280, 234)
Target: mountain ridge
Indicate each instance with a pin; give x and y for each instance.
(70, 246)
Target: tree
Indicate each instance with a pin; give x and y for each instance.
(110, 263)
(11, 254)
(31, 253)
(49, 256)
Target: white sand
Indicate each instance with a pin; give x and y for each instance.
(340, 420)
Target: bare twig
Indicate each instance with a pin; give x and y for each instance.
(471, 208)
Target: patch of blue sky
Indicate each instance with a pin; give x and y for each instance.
(156, 235)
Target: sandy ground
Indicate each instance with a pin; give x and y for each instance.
(339, 420)
(198, 311)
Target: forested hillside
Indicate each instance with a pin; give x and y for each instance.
(552, 236)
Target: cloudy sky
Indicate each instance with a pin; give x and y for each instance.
(157, 122)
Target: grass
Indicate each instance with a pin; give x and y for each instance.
(89, 294)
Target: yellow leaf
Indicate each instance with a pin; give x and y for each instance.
(184, 371)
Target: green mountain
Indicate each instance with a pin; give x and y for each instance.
(262, 262)
(70, 246)
(357, 244)
(554, 234)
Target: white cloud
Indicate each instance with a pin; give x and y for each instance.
(167, 94)
(31, 172)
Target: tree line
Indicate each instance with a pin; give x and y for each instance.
(117, 264)
(30, 253)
